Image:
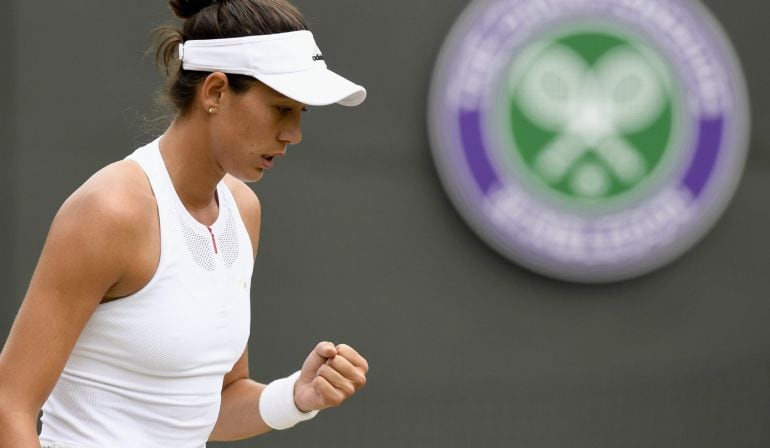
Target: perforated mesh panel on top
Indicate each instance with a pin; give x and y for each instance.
(201, 246)
(228, 240)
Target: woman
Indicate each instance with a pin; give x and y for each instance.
(133, 331)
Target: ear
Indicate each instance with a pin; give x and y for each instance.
(212, 90)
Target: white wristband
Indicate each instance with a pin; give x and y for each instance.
(277, 407)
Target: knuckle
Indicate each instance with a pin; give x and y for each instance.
(359, 381)
(336, 399)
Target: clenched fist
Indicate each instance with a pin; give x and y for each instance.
(330, 375)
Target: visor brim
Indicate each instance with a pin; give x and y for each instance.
(318, 87)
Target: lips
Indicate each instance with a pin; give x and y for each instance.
(268, 160)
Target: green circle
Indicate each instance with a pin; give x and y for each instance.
(647, 144)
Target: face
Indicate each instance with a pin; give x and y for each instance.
(253, 129)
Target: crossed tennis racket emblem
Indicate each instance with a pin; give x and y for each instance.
(590, 108)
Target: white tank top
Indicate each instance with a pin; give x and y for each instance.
(147, 370)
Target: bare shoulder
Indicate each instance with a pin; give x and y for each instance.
(111, 221)
(244, 196)
(119, 191)
(248, 205)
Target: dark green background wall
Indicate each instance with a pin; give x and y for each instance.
(360, 245)
(8, 149)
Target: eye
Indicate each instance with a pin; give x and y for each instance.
(288, 109)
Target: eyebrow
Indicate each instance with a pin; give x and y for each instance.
(293, 102)
(282, 97)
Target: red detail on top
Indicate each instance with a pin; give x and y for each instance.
(213, 240)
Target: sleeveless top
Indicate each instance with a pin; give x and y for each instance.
(147, 370)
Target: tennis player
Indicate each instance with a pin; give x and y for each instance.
(134, 328)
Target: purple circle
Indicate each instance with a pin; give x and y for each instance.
(556, 241)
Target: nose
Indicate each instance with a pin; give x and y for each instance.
(291, 133)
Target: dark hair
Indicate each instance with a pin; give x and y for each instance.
(216, 19)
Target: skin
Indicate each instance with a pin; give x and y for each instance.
(111, 221)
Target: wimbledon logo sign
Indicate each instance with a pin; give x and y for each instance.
(589, 140)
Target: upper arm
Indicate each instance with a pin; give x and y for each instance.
(85, 253)
(249, 207)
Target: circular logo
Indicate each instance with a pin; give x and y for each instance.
(589, 140)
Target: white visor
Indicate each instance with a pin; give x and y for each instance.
(290, 63)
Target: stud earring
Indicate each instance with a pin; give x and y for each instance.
(211, 110)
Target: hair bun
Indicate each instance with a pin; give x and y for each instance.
(188, 8)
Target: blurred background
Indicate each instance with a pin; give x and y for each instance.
(361, 245)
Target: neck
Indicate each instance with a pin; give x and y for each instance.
(195, 173)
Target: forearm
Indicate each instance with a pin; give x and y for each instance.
(18, 431)
(239, 416)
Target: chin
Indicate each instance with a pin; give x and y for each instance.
(254, 176)
(245, 172)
